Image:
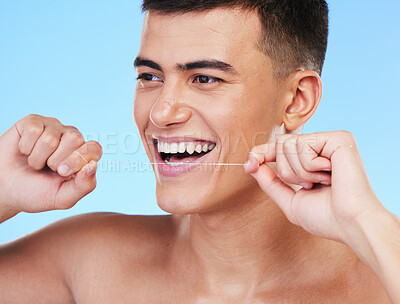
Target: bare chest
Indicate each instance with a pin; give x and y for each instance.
(157, 287)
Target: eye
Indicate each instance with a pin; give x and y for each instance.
(148, 77)
(202, 79)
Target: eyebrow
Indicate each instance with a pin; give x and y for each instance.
(208, 64)
(140, 61)
(199, 64)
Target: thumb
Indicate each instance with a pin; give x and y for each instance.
(76, 188)
(274, 187)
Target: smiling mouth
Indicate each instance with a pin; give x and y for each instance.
(180, 152)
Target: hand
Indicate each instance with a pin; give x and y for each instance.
(335, 187)
(45, 165)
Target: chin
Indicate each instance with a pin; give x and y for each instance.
(176, 201)
(202, 198)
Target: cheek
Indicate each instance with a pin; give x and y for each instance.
(141, 111)
(244, 121)
(260, 113)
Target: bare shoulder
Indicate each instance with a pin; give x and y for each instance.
(101, 224)
(113, 253)
(114, 234)
(102, 228)
(74, 240)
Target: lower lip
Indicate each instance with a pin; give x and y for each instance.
(173, 171)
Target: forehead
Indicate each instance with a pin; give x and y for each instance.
(220, 34)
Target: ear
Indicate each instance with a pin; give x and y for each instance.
(305, 89)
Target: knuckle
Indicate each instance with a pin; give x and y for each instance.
(34, 129)
(32, 117)
(348, 135)
(71, 128)
(75, 137)
(50, 141)
(53, 120)
(345, 134)
(288, 144)
(260, 149)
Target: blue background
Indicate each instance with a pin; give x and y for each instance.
(74, 60)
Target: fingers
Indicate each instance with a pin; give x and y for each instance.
(37, 141)
(30, 129)
(310, 159)
(297, 160)
(79, 158)
(295, 167)
(252, 163)
(39, 138)
(45, 146)
(259, 155)
(265, 153)
(72, 191)
(275, 188)
(71, 140)
(46, 141)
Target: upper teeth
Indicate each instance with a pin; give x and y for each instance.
(182, 147)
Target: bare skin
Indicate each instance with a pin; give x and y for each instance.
(228, 243)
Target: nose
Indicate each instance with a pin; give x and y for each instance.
(169, 109)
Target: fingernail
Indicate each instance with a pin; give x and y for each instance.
(249, 167)
(327, 169)
(63, 170)
(306, 185)
(326, 183)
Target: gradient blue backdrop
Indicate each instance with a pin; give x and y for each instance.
(73, 60)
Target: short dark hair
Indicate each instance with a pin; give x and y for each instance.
(295, 32)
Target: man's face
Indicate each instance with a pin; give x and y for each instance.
(203, 85)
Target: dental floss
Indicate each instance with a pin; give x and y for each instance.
(207, 164)
(81, 156)
(182, 163)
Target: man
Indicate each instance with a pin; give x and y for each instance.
(209, 73)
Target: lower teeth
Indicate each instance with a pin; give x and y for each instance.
(176, 164)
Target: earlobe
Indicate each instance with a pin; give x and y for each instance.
(306, 93)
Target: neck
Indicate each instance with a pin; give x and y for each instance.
(249, 242)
